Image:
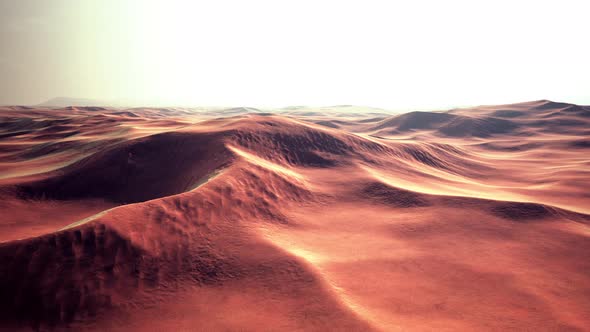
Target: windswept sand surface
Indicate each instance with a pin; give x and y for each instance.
(299, 219)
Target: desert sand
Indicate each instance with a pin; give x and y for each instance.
(295, 219)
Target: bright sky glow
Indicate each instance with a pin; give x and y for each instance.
(391, 54)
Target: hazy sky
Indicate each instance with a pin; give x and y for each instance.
(392, 54)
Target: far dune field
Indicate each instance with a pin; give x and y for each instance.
(298, 219)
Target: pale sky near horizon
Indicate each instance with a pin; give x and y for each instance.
(272, 53)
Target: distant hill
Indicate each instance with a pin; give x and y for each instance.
(65, 101)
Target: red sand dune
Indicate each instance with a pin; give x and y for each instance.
(299, 219)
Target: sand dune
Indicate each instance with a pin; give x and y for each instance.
(337, 218)
(516, 120)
